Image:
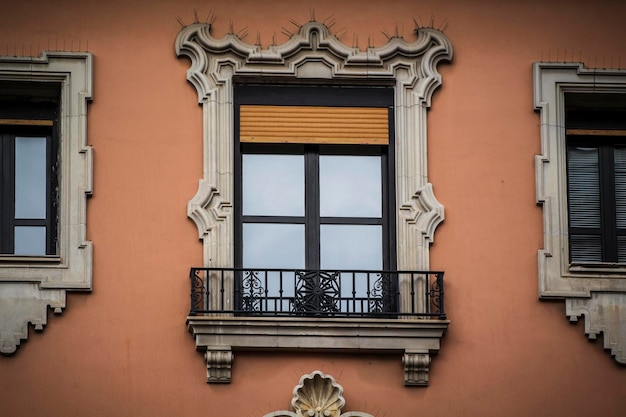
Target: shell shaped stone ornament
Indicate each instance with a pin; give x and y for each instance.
(317, 395)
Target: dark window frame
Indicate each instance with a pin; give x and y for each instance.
(26, 110)
(318, 95)
(608, 230)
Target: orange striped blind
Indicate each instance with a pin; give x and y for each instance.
(314, 124)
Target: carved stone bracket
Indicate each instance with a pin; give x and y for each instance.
(317, 395)
(21, 303)
(416, 367)
(604, 313)
(218, 365)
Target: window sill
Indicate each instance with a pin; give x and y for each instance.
(21, 259)
(219, 336)
(603, 270)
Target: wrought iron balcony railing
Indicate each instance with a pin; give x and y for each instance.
(290, 292)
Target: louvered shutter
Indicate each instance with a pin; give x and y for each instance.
(584, 204)
(620, 201)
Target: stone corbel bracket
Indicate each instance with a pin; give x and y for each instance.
(218, 365)
(604, 313)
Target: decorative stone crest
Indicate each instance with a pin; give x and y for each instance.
(317, 395)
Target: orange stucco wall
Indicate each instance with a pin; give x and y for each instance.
(124, 350)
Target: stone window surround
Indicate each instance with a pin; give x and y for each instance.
(29, 285)
(597, 293)
(315, 54)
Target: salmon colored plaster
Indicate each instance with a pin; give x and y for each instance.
(124, 350)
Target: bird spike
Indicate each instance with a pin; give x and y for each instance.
(387, 35)
(286, 32)
(195, 16)
(312, 14)
(341, 33)
(210, 18)
(180, 22)
(258, 38)
(417, 26)
(432, 21)
(231, 29)
(242, 33)
(443, 25)
(296, 24)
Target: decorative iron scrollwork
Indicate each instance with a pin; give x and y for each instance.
(435, 296)
(198, 291)
(381, 294)
(252, 291)
(317, 292)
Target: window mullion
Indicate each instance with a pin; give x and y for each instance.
(607, 196)
(8, 194)
(312, 204)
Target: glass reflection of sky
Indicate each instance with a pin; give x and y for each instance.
(273, 185)
(351, 247)
(30, 177)
(30, 240)
(268, 245)
(350, 186)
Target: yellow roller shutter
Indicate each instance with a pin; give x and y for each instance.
(314, 124)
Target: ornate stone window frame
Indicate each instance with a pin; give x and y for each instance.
(28, 285)
(597, 293)
(315, 54)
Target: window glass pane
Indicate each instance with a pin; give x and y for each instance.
(350, 186)
(351, 247)
(273, 185)
(583, 187)
(30, 240)
(267, 245)
(30, 177)
(620, 188)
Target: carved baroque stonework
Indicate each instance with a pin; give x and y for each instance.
(314, 53)
(317, 395)
(598, 293)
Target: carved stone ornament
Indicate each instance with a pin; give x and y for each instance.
(314, 54)
(596, 292)
(317, 395)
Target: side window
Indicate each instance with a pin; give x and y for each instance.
(28, 179)
(45, 179)
(596, 178)
(581, 186)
